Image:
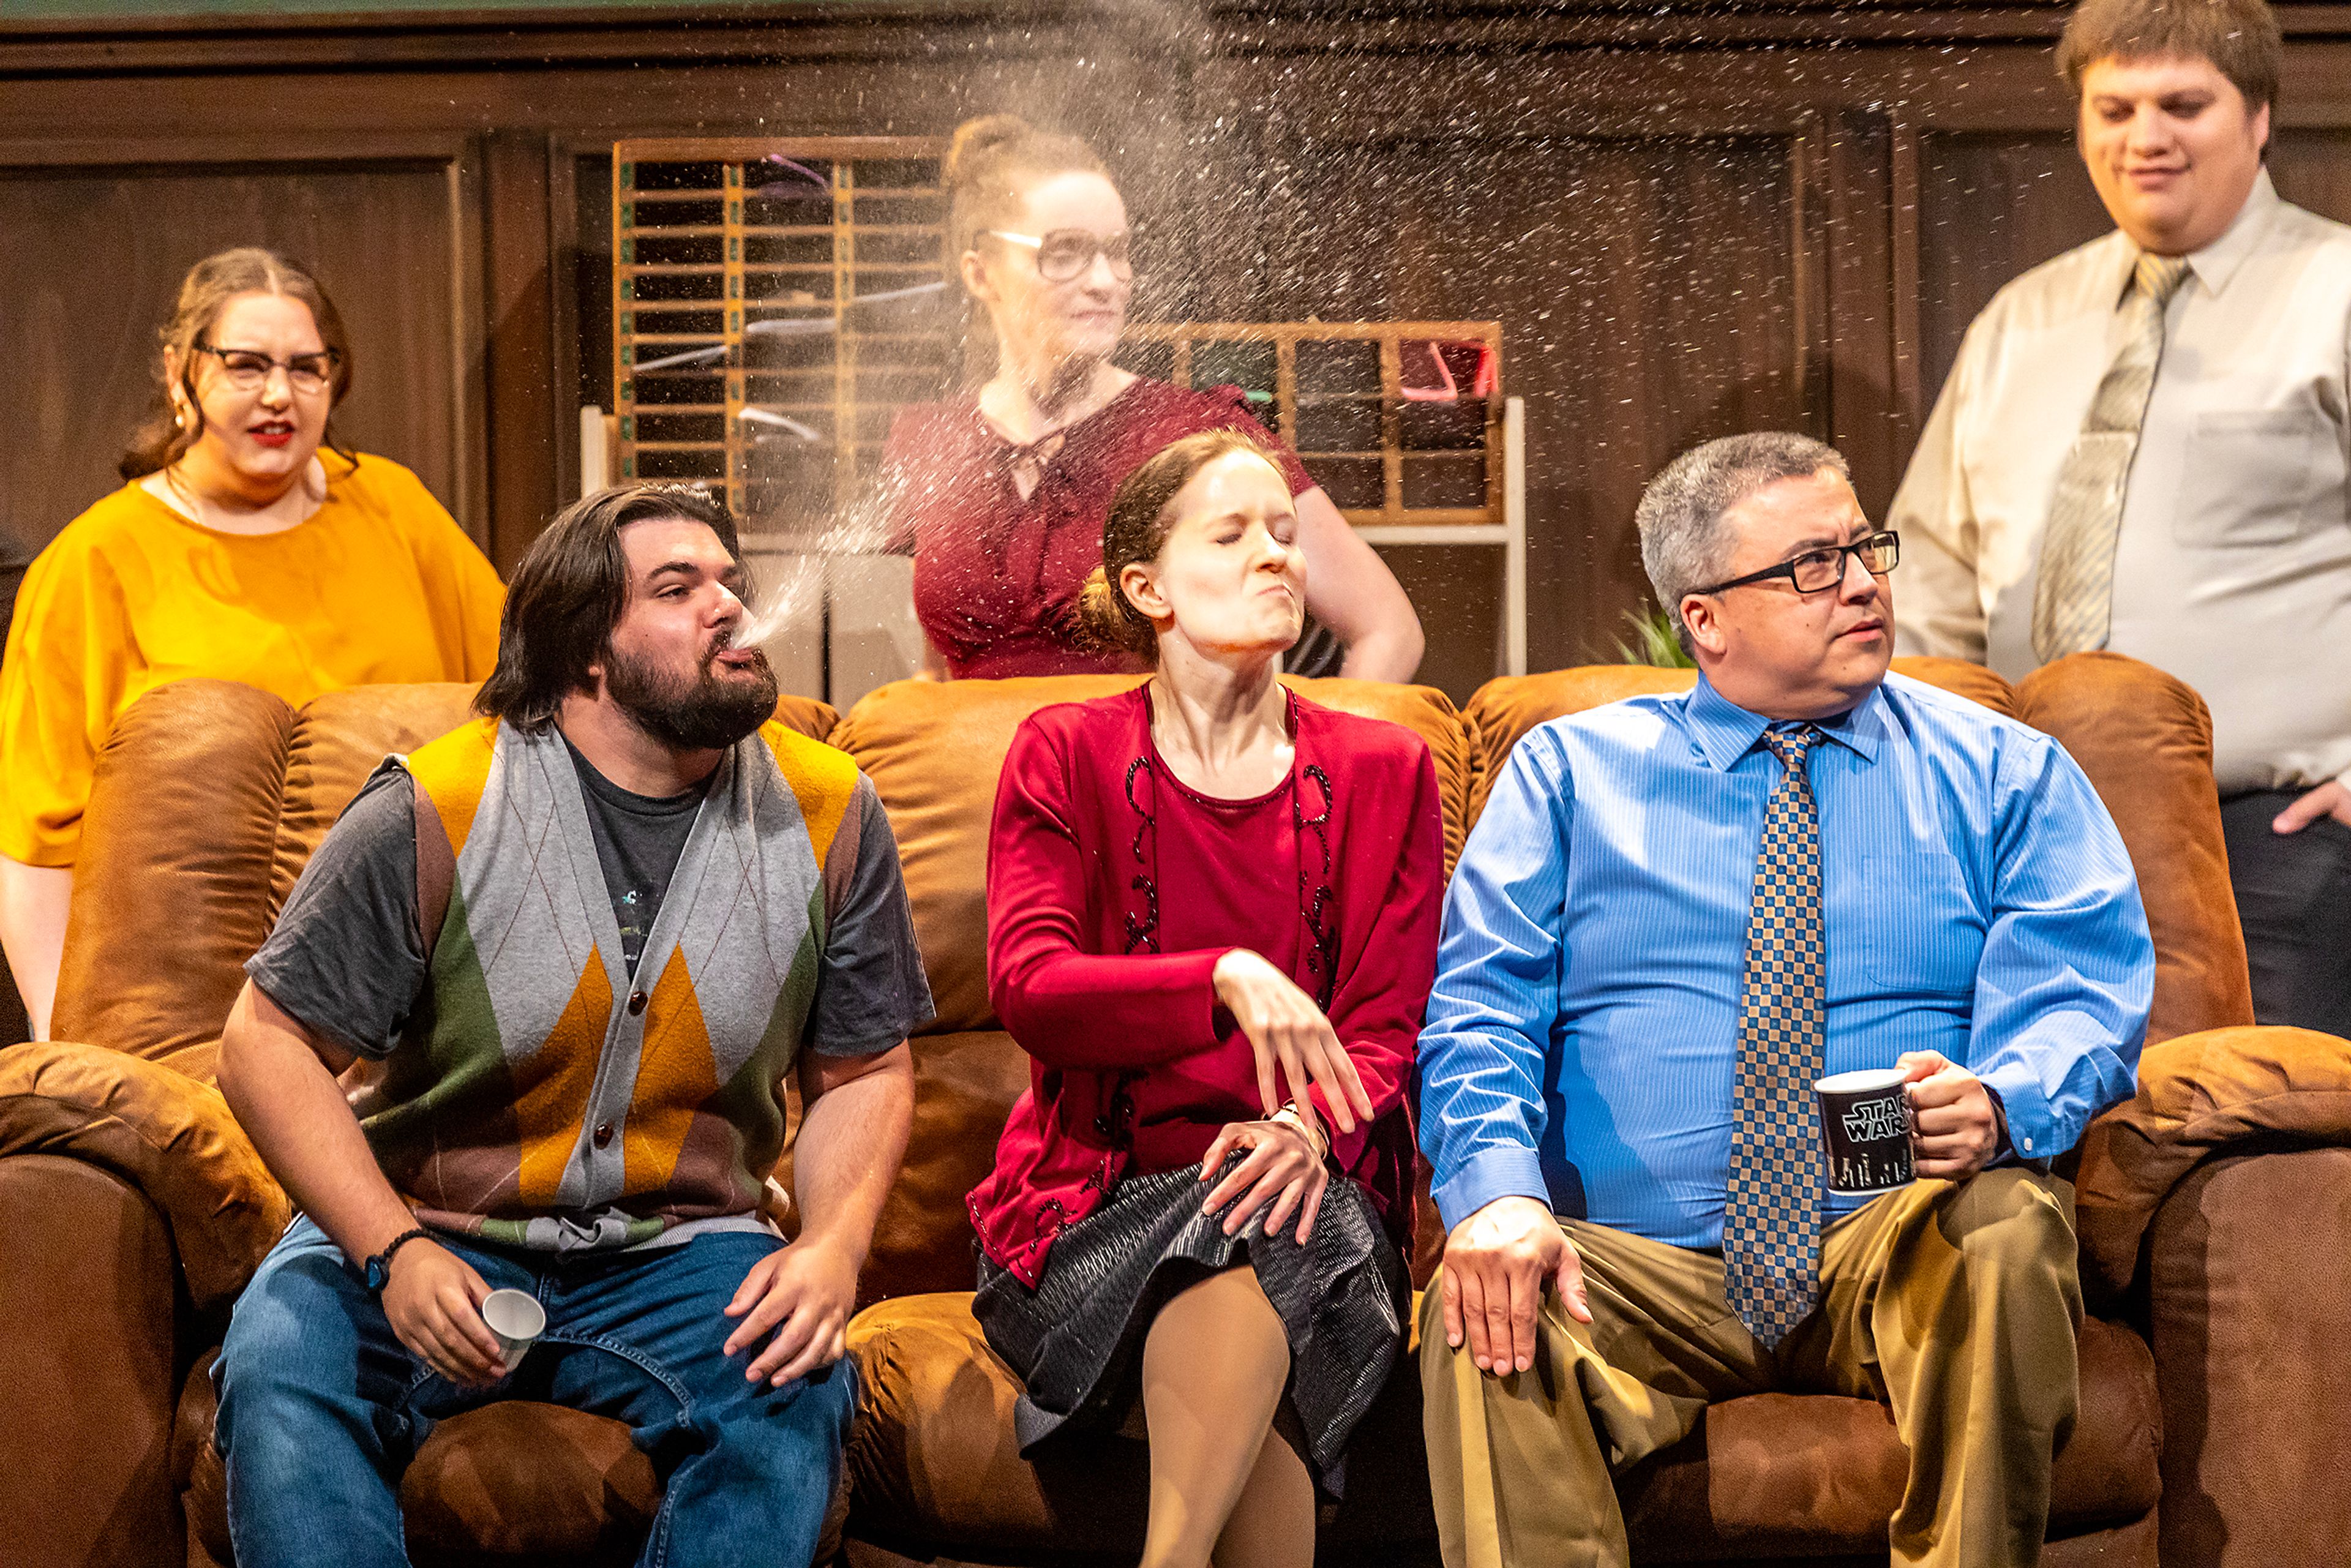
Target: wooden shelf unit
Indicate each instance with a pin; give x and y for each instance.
(1197, 346)
(717, 242)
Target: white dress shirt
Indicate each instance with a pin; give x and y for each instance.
(2234, 567)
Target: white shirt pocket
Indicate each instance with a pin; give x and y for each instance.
(2256, 477)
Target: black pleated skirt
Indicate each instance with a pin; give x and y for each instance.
(1076, 1340)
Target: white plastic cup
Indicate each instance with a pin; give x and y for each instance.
(517, 1319)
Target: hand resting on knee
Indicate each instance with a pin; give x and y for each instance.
(1497, 1263)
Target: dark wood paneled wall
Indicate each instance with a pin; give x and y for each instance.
(1691, 220)
(92, 254)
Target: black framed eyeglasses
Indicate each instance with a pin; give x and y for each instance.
(1818, 571)
(1066, 254)
(248, 369)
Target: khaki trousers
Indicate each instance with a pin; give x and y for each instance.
(1956, 1303)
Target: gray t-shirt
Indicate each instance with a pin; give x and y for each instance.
(347, 959)
(639, 839)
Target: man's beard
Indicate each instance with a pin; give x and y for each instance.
(698, 713)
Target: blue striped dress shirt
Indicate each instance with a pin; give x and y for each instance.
(1581, 1041)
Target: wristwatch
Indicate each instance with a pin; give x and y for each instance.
(379, 1267)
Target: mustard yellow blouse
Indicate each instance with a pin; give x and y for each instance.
(378, 585)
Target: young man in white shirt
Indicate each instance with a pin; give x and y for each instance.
(2143, 447)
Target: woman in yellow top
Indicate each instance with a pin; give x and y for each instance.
(236, 551)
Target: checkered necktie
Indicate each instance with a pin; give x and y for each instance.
(2073, 598)
(1771, 1230)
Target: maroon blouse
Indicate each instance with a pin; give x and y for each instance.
(996, 577)
(1112, 891)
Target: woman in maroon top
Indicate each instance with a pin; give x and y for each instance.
(1212, 923)
(1001, 495)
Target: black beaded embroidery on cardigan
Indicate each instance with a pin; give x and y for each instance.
(1323, 947)
(1313, 903)
(1144, 932)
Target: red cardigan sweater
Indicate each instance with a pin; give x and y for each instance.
(1075, 975)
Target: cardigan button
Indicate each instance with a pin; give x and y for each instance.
(636, 1003)
(604, 1135)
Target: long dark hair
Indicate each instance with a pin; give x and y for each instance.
(568, 593)
(162, 439)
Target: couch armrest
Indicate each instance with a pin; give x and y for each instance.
(170, 1136)
(2198, 1095)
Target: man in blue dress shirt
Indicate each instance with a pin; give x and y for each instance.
(1675, 916)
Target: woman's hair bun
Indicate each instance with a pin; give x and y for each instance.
(976, 139)
(1104, 616)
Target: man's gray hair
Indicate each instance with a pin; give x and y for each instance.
(1683, 542)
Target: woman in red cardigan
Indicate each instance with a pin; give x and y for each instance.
(1212, 922)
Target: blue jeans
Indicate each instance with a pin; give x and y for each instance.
(321, 1408)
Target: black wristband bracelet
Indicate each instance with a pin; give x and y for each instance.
(379, 1267)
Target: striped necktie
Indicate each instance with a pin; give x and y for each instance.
(2073, 601)
(1770, 1228)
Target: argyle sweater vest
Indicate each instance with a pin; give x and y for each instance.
(540, 1096)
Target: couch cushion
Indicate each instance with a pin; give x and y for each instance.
(2146, 741)
(2217, 1093)
(86, 1312)
(933, 1465)
(510, 1483)
(934, 749)
(964, 1088)
(172, 888)
(1804, 1474)
(2247, 1278)
(171, 1139)
(340, 737)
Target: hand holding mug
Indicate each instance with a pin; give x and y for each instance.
(1954, 1130)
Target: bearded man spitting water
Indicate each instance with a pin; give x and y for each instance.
(578, 945)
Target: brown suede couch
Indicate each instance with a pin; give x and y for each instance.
(2215, 1208)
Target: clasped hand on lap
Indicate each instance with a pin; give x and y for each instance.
(801, 1294)
(1282, 1168)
